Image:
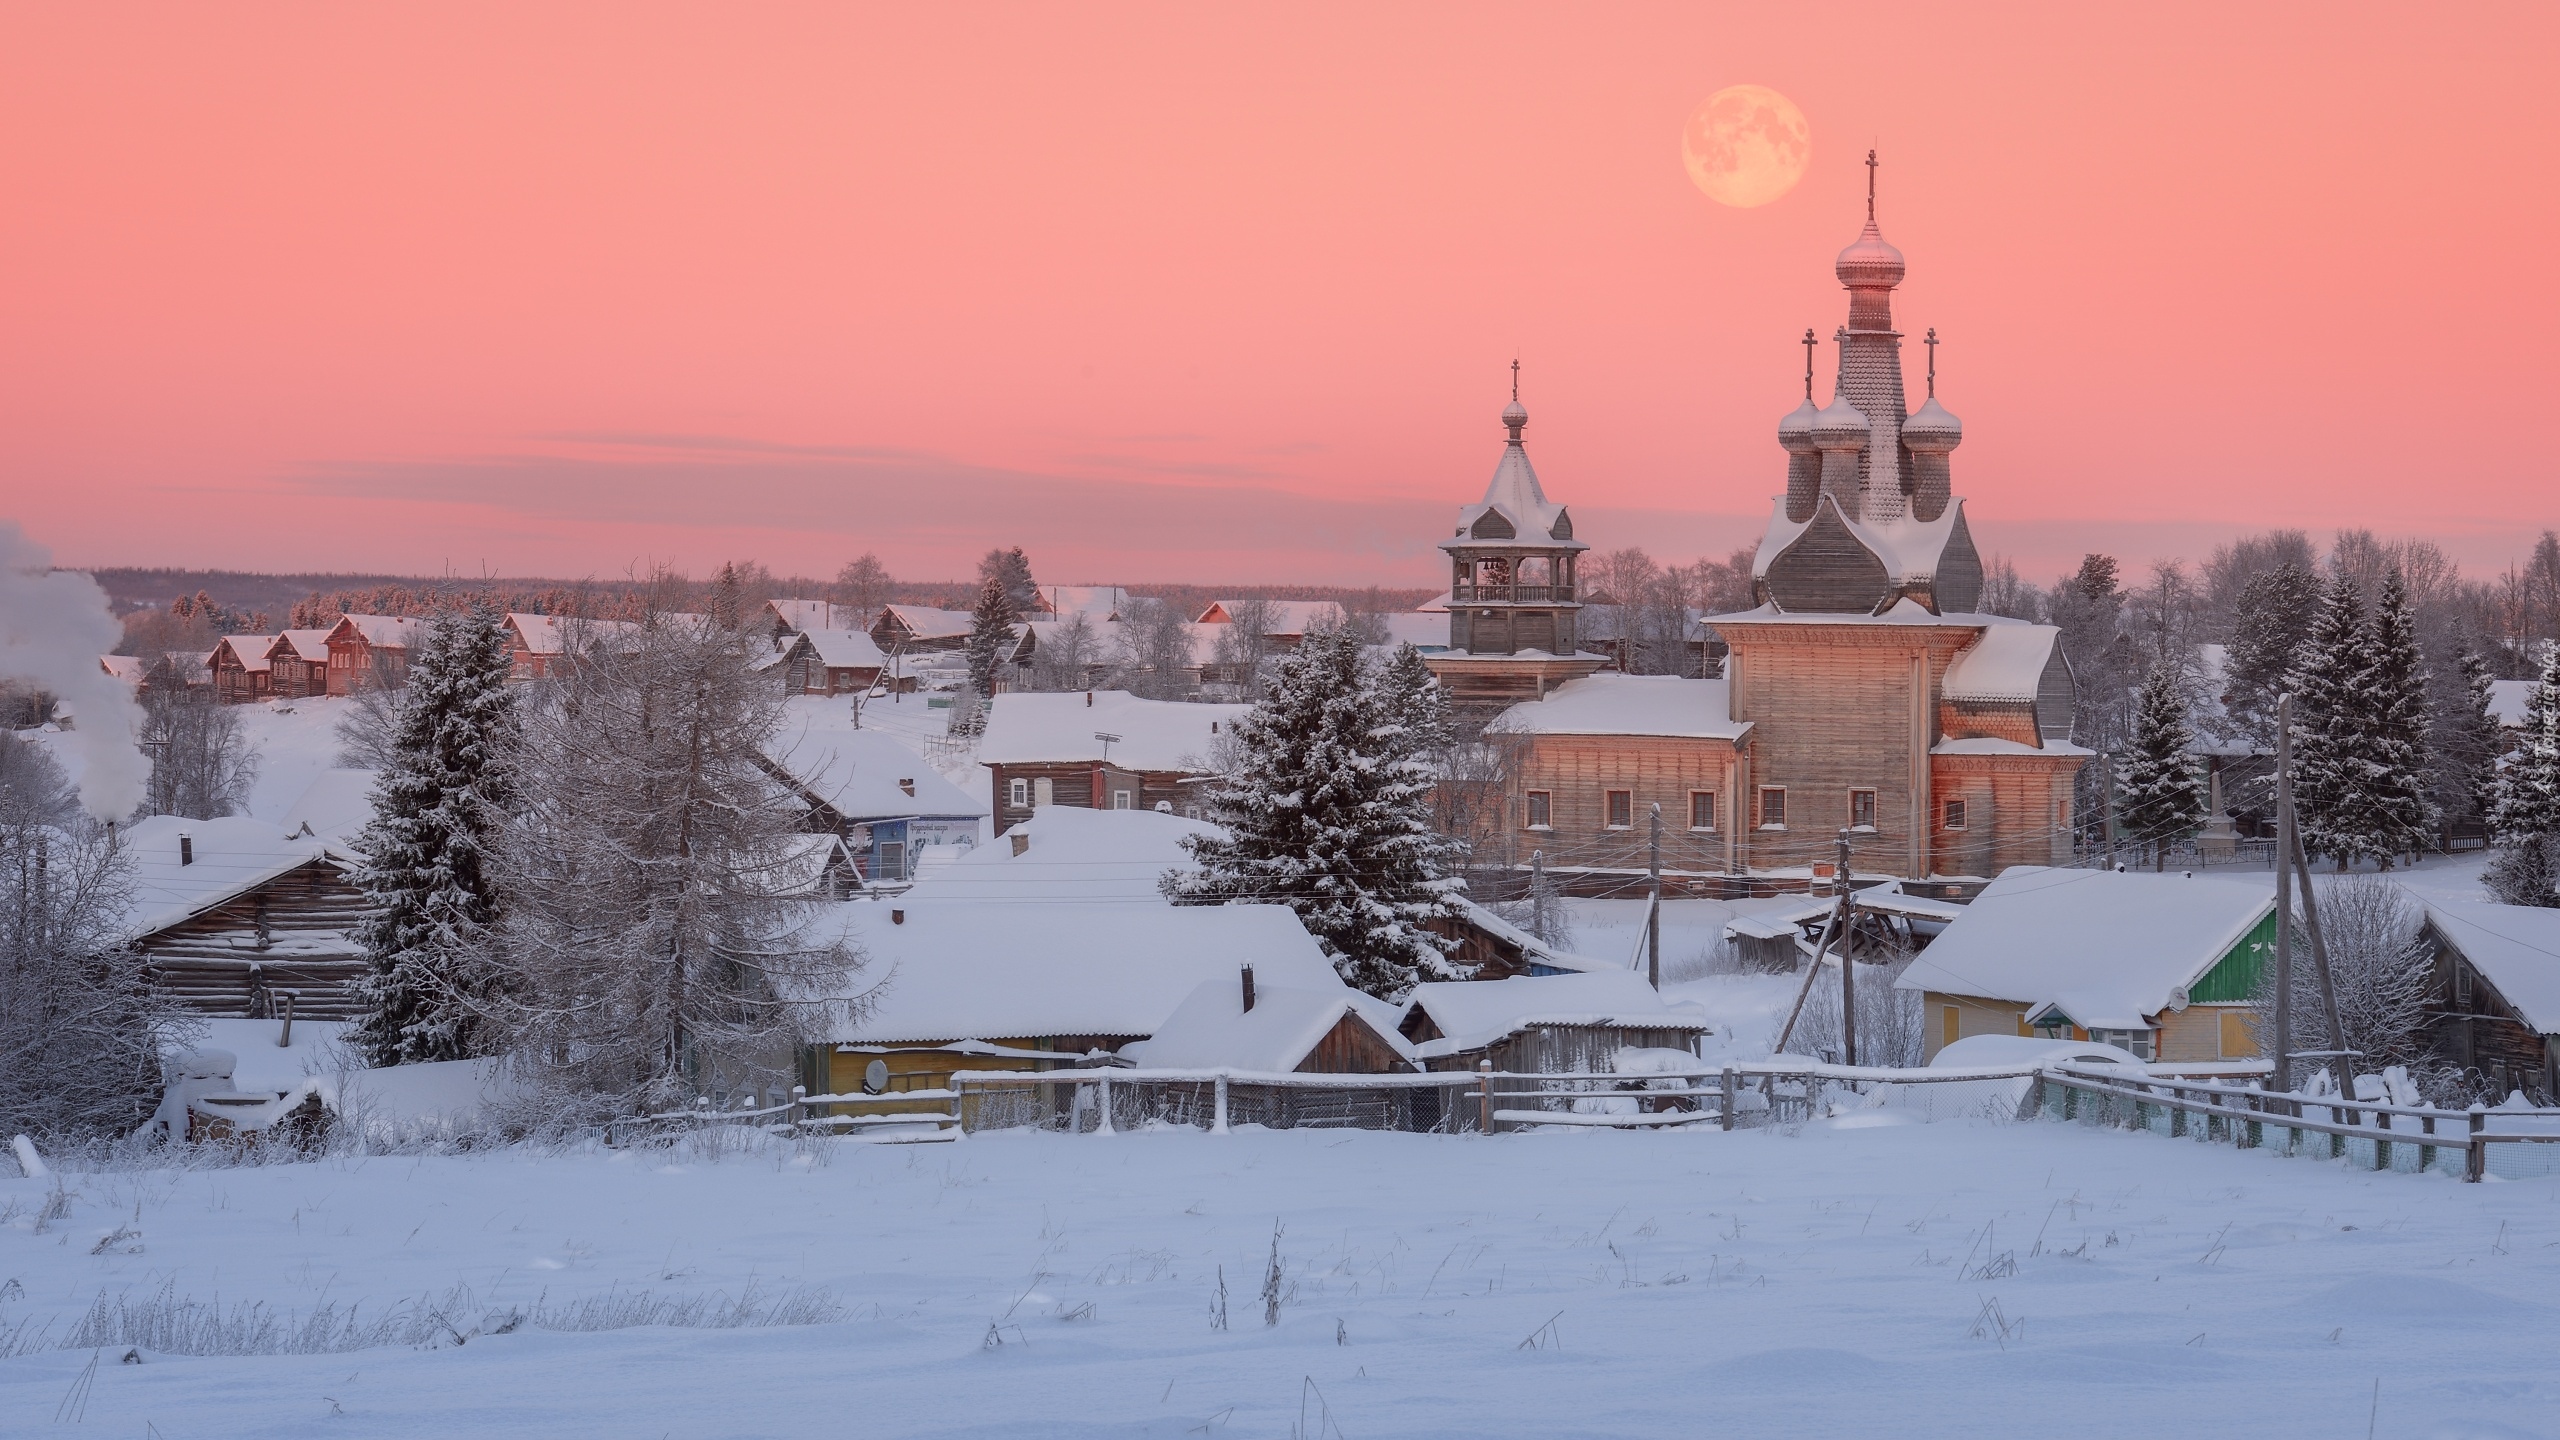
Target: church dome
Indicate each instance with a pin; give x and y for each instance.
(1869, 263)
(1796, 430)
(1930, 430)
(1840, 426)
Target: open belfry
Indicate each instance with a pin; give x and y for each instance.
(1863, 692)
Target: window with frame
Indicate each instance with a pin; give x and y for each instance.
(1120, 800)
(1702, 809)
(1541, 809)
(1018, 793)
(2136, 1041)
(1954, 814)
(1622, 809)
(1862, 809)
(1773, 807)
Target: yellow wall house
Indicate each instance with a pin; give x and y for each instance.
(983, 984)
(2162, 965)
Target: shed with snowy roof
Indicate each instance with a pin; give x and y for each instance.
(1547, 1024)
(234, 914)
(2161, 965)
(1237, 1023)
(2497, 1006)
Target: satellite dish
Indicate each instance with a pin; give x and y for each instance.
(875, 1077)
(2178, 1000)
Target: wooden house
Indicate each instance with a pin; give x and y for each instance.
(232, 913)
(298, 664)
(784, 617)
(127, 668)
(1238, 1024)
(1495, 949)
(1099, 749)
(888, 807)
(539, 645)
(1547, 1024)
(372, 651)
(829, 662)
(1036, 985)
(1588, 764)
(919, 630)
(2163, 966)
(2497, 1005)
(242, 669)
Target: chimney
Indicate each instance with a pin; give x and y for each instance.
(907, 787)
(186, 848)
(897, 917)
(1248, 985)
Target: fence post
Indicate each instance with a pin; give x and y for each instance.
(2475, 1163)
(1218, 1125)
(2035, 1097)
(1731, 1082)
(1484, 1094)
(1104, 1126)
(959, 1115)
(799, 1101)
(2382, 1147)
(2426, 1153)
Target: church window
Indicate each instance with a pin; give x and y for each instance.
(1773, 807)
(1955, 814)
(1702, 809)
(1622, 809)
(1862, 809)
(1541, 809)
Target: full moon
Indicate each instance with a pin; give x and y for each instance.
(1747, 145)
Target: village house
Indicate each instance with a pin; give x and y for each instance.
(298, 664)
(1037, 984)
(920, 630)
(372, 651)
(242, 669)
(2497, 1003)
(1547, 1024)
(234, 914)
(829, 662)
(889, 808)
(1241, 1024)
(1100, 749)
(1066, 852)
(2163, 966)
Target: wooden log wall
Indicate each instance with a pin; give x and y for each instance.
(296, 930)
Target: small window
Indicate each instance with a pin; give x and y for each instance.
(1120, 800)
(1622, 809)
(1862, 809)
(1773, 807)
(1955, 814)
(1541, 809)
(1702, 809)
(1018, 794)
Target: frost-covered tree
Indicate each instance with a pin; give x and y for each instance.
(862, 591)
(80, 1024)
(2383, 971)
(1156, 651)
(2274, 617)
(2333, 705)
(2527, 816)
(2160, 802)
(1244, 646)
(1012, 570)
(656, 920)
(2391, 799)
(2463, 741)
(201, 762)
(1066, 653)
(991, 625)
(1326, 806)
(439, 806)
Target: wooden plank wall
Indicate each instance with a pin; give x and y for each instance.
(297, 929)
(1578, 771)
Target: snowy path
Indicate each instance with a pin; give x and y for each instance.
(1752, 1284)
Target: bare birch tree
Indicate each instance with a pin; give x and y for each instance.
(201, 763)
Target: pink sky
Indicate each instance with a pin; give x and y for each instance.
(1201, 292)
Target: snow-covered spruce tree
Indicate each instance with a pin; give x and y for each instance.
(1327, 811)
(991, 624)
(431, 976)
(2160, 803)
(81, 1026)
(2527, 817)
(1012, 570)
(2463, 741)
(657, 921)
(2395, 817)
(2333, 705)
(2276, 613)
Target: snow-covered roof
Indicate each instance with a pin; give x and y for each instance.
(1515, 494)
(1615, 704)
(2006, 663)
(336, 806)
(1779, 922)
(232, 855)
(250, 650)
(1423, 630)
(1908, 546)
(862, 774)
(1905, 611)
(549, 634)
(1436, 605)
(1537, 951)
(926, 623)
(1994, 745)
(311, 646)
(385, 632)
(1280, 617)
(127, 668)
(1211, 1029)
(2508, 699)
(1472, 1014)
(961, 971)
(801, 614)
(2516, 948)
(845, 649)
(1102, 602)
(2109, 949)
(1028, 728)
(1067, 852)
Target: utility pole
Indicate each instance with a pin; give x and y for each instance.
(2107, 813)
(1538, 893)
(2282, 1079)
(1848, 961)
(1653, 911)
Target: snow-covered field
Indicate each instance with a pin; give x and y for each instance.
(1959, 1279)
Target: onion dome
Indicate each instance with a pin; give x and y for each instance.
(1869, 263)
(1930, 430)
(1516, 416)
(1840, 426)
(1796, 431)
